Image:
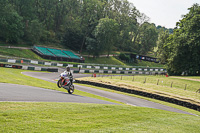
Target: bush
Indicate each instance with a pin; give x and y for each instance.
(124, 57)
(11, 27)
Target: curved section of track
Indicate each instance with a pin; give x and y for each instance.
(13, 92)
(119, 97)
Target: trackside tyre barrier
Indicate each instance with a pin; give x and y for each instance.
(145, 94)
(29, 68)
(52, 69)
(40, 69)
(10, 66)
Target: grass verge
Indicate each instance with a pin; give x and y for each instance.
(147, 63)
(28, 54)
(22, 53)
(76, 117)
(114, 61)
(104, 60)
(72, 117)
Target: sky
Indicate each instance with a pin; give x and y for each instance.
(164, 12)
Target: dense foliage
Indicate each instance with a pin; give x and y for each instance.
(92, 25)
(181, 50)
(100, 26)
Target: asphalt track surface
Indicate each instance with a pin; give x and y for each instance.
(22, 93)
(12, 92)
(111, 95)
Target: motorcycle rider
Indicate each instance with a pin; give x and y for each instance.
(68, 74)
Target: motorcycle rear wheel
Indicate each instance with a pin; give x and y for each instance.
(71, 89)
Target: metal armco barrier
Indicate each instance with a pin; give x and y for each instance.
(119, 72)
(87, 66)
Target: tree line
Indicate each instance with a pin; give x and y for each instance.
(181, 50)
(101, 26)
(94, 26)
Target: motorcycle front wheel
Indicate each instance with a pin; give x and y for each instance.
(71, 89)
(59, 83)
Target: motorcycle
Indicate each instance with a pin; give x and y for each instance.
(66, 84)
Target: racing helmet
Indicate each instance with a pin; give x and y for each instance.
(67, 68)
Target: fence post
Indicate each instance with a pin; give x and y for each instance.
(171, 84)
(145, 80)
(185, 86)
(133, 78)
(198, 91)
(157, 81)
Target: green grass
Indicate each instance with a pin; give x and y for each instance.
(3, 44)
(163, 88)
(28, 54)
(151, 54)
(114, 61)
(78, 117)
(72, 117)
(25, 53)
(21, 53)
(14, 45)
(104, 60)
(28, 45)
(141, 62)
(146, 63)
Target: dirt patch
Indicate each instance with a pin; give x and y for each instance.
(186, 78)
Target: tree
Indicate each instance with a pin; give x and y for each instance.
(10, 24)
(34, 31)
(77, 24)
(141, 19)
(148, 37)
(125, 15)
(161, 29)
(106, 33)
(93, 47)
(162, 46)
(91, 12)
(73, 38)
(184, 45)
(25, 8)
